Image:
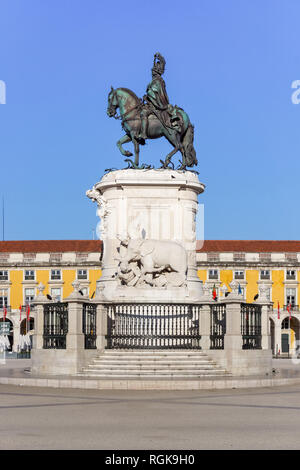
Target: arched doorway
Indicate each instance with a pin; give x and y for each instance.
(11, 332)
(27, 326)
(289, 335)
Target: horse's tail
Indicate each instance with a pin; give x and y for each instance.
(188, 147)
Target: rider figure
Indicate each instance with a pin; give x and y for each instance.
(156, 98)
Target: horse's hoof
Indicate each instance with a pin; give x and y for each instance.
(128, 154)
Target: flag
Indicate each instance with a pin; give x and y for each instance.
(20, 308)
(240, 290)
(289, 310)
(28, 311)
(278, 312)
(214, 293)
(4, 312)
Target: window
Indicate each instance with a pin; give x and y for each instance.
(213, 256)
(29, 296)
(213, 274)
(291, 256)
(29, 257)
(56, 294)
(81, 256)
(265, 274)
(29, 275)
(55, 274)
(239, 275)
(3, 298)
(3, 275)
(290, 274)
(238, 256)
(81, 274)
(285, 325)
(55, 257)
(291, 297)
(265, 256)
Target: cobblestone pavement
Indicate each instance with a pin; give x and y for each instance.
(43, 418)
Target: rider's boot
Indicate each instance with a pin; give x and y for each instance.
(143, 131)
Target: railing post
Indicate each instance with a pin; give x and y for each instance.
(265, 325)
(205, 326)
(39, 301)
(101, 341)
(233, 337)
(75, 336)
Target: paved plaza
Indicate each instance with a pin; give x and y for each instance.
(47, 418)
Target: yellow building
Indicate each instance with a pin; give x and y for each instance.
(256, 264)
(54, 263)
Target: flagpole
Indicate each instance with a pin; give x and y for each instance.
(2, 218)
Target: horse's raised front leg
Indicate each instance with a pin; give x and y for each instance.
(124, 140)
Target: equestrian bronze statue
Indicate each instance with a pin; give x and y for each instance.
(151, 118)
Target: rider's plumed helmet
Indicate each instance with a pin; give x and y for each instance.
(158, 64)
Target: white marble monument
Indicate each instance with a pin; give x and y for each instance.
(148, 228)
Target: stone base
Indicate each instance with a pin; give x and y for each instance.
(148, 227)
(60, 361)
(245, 362)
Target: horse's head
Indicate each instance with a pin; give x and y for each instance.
(112, 103)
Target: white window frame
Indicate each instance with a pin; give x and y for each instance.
(7, 296)
(82, 278)
(4, 271)
(265, 278)
(54, 296)
(239, 271)
(290, 278)
(55, 278)
(29, 271)
(26, 289)
(213, 278)
(286, 294)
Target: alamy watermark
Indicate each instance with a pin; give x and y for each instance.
(2, 92)
(296, 94)
(151, 222)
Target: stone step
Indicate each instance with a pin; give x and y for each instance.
(130, 364)
(125, 357)
(145, 373)
(153, 352)
(151, 366)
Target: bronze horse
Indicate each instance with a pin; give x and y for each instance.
(129, 107)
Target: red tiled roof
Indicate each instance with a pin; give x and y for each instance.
(89, 246)
(50, 246)
(249, 246)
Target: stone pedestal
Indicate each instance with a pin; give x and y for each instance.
(154, 206)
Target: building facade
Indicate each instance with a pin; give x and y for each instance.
(54, 263)
(255, 265)
(270, 265)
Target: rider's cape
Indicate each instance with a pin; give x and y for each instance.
(157, 94)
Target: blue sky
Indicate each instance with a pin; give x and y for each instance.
(229, 63)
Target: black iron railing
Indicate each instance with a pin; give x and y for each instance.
(217, 326)
(89, 325)
(55, 325)
(153, 326)
(251, 326)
